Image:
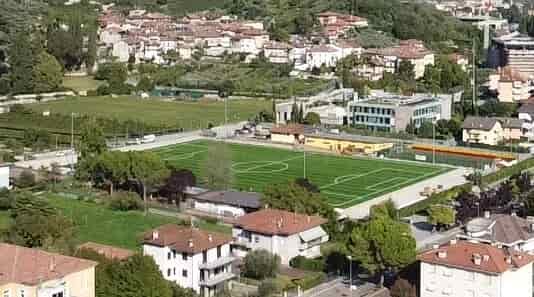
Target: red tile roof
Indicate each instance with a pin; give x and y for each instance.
(107, 251)
(278, 222)
(476, 257)
(185, 239)
(32, 266)
(289, 129)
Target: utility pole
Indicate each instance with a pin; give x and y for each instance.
(72, 131)
(433, 142)
(304, 164)
(474, 79)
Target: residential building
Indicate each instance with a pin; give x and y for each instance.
(392, 112)
(526, 115)
(191, 258)
(459, 59)
(36, 273)
(320, 55)
(463, 268)
(277, 52)
(5, 176)
(515, 50)
(503, 230)
(510, 85)
(337, 24)
(410, 50)
(330, 114)
(226, 203)
(482, 130)
(108, 251)
(280, 232)
(491, 131)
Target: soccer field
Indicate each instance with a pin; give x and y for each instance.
(344, 181)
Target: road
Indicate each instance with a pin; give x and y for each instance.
(67, 157)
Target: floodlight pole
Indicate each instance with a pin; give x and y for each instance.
(304, 164)
(433, 142)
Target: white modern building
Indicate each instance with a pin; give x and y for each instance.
(463, 268)
(280, 232)
(526, 114)
(226, 203)
(322, 55)
(191, 258)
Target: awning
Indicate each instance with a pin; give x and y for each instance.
(312, 234)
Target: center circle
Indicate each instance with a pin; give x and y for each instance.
(259, 167)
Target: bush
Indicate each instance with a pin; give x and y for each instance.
(125, 201)
(261, 264)
(304, 263)
(267, 288)
(26, 179)
(438, 198)
(311, 280)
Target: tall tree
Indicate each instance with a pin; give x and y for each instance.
(92, 139)
(21, 61)
(218, 167)
(113, 167)
(177, 182)
(148, 170)
(47, 73)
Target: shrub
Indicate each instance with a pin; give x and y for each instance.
(261, 264)
(125, 201)
(311, 280)
(304, 263)
(26, 179)
(267, 288)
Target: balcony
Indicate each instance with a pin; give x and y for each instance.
(217, 263)
(217, 279)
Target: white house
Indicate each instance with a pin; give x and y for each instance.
(509, 231)
(322, 55)
(191, 258)
(330, 114)
(121, 50)
(277, 52)
(280, 232)
(526, 114)
(463, 268)
(226, 203)
(4, 176)
(511, 85)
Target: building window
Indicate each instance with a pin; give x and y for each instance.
(168, 255)
(204, 256)
(174, 254)
(218, 251)
(169, 272)
(184, 273)
(22, 293)
(174, 271)
(58, 294)
(447, 291)
(6, 293)
(256, 239)
(184, 256)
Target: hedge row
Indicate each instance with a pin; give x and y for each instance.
(508, 171)
(438, 198)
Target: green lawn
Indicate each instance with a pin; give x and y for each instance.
(157, 112)
(81, 83)
(97, 223)
(4, 219)
(344, 181)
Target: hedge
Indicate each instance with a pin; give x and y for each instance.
(311, 280)
(438, 198)
(304, 263)
(508, 171)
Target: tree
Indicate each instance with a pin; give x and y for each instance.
(382, 243)
(217, 167)
(113, 168)
(403, 288)
(426, 130)
(26, 179)
(148, 170)
(441, 215)
(92, 140)
(47, 73)
(260, 264)
(305, 183)
(177, 182)
(145, 84)
(406, 70)
(312, 118)
(21, 61)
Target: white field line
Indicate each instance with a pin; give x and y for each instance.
(385, 182)
(269, 163)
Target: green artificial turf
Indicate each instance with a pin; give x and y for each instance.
(344, 181)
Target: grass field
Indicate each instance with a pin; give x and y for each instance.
(81, 83)
(157, 112)
(97, 223)
(344, 181)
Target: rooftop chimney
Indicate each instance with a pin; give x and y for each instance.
(155, 235)
(435, 246)
(487, 214)
(477, 259)
(191, 243)
(52, 264)
(513, 214)
(454, 241)
(442, 254)
(485, 258)
(508, 260)
(210, 238)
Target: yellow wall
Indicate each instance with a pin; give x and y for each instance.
(79, 284)
(345, 145)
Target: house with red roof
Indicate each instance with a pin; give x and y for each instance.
(32, 272)
(463, 268)
(191, 258)
(284, 233)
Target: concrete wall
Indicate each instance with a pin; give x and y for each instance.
(4, 176)
(218, 209)
(342, 145)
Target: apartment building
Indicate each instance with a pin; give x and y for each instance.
(526, 115)
(192, 258)
(463, 268)
(280, 232)
(36, 273)
(491, 131)
(510, 85)
(392, 112)
(515, 50)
